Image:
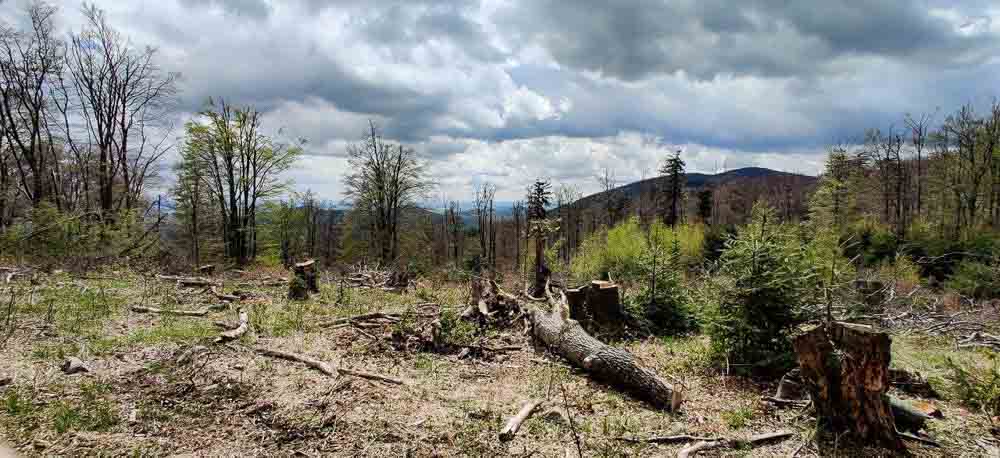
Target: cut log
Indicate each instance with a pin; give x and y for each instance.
(234, 334)
(607, 364)
(510, 429)
(845, 369)
(141, 309)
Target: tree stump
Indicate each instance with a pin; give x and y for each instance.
(597, 303)
(207, 270)
(304, 281)
(845, 369)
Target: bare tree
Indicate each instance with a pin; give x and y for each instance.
(115, 98)
(384, 179)
(30, 62)
(486, 217)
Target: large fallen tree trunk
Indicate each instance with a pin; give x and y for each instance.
(607, 364)
(845, 369)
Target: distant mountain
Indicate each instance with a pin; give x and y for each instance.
(699, 180)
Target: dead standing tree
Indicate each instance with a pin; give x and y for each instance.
(539, 197)
(486, 217)
(122, 97)
(384, 179)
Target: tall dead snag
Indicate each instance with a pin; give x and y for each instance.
(607, 364)
(845, 369)
(304, 281)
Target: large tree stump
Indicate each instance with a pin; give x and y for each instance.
(597, 303)
(845, 369)
(304, 281)
(608, 364)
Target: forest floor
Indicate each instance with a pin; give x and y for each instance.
(137, 398)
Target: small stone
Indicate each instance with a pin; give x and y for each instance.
(73, 365)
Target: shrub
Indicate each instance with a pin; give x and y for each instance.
(617, 252)
(660, 302)
(975, 279)
(900, 272)
(761, 308)
(977, 387)
(689, 238)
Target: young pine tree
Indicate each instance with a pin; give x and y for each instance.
(769, 275)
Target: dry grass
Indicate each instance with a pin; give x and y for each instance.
(231, 400)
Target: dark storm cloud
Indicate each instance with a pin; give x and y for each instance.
(523, 87)
(633, 39)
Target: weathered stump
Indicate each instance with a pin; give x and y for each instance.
(596, 304)
(845, 369)
(303, 281)
(207, 270)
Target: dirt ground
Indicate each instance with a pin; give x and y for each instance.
(139, 397)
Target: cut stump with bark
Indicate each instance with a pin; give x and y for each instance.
(304, 281)
(598, 303)
(845, 369)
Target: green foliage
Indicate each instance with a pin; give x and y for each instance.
(17, 402)
(455, 330)
(621, 250)
(738, 418)
(975, 279)
(761, 308)
(660, 302)
(976, 386)
(77, 238)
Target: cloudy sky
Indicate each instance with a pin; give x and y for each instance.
(509, 90)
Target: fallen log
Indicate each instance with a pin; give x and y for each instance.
(325, 368)
(141, 309)
(669, 439)
(234, 334)
(188, 281)
(607, 364)
(222, 296)
(510, 429)
(312, 363)
(693, 449)
(906, 416)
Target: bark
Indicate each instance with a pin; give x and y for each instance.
(845, 369)
(597, 303)
(607, 364)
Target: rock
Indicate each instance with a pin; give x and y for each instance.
(73, 365)
(5, 380)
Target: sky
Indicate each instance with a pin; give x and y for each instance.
(507, 91)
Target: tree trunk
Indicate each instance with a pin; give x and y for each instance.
(608, 364)
(304, 280)
(845, 369)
